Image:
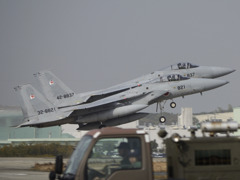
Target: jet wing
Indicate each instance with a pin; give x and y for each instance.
(96, 95)
(106, 103)
(137, 95)
(91, 97)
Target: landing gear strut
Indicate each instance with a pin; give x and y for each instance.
(162, 119)
(101, 126)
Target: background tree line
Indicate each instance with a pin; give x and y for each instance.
(36, 150)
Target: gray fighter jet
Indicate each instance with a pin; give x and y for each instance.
(61, 95)
(187, 69)
(184, 69)
(112, 110)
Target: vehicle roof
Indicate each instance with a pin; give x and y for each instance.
(211, 139)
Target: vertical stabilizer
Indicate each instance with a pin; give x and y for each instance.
(32, 102)
(54, 89)
(35, 107)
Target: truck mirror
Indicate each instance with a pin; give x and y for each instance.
(59, 164)
(52, 175)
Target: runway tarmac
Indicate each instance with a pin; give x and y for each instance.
(20, 168)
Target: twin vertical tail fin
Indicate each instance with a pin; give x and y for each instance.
(36, 108)
(54, 89)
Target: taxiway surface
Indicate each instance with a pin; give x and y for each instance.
(21, 168)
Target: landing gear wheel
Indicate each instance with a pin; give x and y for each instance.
(173, 105)
(162, 119)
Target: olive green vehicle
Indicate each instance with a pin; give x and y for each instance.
(208, 157)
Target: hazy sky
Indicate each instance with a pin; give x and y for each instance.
(92, 45)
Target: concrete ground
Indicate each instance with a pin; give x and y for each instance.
(20, 168)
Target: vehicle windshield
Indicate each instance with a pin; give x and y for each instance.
(78, 154)
(110, 155)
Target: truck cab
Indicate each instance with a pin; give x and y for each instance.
(110, 153)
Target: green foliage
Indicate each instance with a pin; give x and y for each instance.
(36, 150)
(109, 145)
(218, 110)
(154, 119)
(154, 145)
(230, 108)
(195, 121)
(97, 155)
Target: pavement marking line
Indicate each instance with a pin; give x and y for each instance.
(14, 174)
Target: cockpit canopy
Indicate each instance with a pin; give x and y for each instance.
(181, 65)
(169, 78)
(175, 77)
(184, 65)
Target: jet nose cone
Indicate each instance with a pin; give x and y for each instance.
(220, 71)
(221, 83)
(214, 83)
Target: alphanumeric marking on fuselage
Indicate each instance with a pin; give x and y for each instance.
(64, 96)
(191, 74)
(181, 87)
(45, 111)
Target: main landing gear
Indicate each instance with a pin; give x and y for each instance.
(162, 119)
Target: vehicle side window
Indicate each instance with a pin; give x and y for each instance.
(113, 154)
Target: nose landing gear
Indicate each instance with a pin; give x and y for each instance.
(173, 105)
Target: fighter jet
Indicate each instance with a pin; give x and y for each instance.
(62, 96)
(184, 69)
(116, 109)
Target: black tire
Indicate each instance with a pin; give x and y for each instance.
(173, 104)
(162, 119)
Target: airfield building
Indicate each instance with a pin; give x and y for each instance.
(9, 134)
(185, 120)
(67, 133)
